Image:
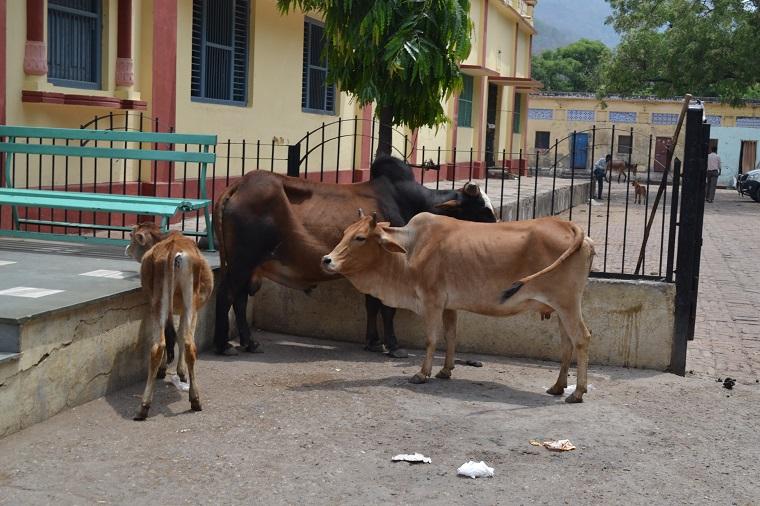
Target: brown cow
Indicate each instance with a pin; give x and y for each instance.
(177, 279)
(278, 227)
(435, 266)
(621, 167)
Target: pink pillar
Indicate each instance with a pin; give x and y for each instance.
(125, 73)
(35, 50)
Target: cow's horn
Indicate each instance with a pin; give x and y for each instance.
(361, 213)
(472, 189)
(374, 219)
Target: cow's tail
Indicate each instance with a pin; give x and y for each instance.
(219, 226)
(578, 237)
(173, 264)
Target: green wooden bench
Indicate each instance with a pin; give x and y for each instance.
(100, 202)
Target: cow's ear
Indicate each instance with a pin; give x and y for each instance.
(141, 238)
(389, 244)
(449, 204)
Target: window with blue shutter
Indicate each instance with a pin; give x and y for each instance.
(464, 114)
(517, 125)
(220, 51)
(317, 95)
(74, 28)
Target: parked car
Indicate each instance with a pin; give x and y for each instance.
(749, 183)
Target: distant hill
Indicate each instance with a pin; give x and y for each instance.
(561, 22)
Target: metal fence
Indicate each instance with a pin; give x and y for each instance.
(521, 185)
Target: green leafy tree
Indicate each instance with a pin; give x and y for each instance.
(575, 67)
(401, 54)
(673, 47)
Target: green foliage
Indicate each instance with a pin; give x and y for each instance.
(575, 67)
(673, 47)
(401, 54)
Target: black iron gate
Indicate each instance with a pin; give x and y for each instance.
(691, 216)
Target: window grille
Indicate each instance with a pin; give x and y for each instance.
(317, 95)
(464, 116)
(74, 43)
(220, 51)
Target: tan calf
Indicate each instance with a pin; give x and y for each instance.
(177, 280)
(640, 192)
(435, 266)
(620, 167)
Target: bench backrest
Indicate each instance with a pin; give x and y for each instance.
(82, 150)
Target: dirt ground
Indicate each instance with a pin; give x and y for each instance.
(316, 422)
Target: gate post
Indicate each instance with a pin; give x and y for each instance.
(690, 234)
(294, 159)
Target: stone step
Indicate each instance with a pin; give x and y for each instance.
(9, 357)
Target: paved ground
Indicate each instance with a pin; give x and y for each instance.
(318, 422)
(314, 422)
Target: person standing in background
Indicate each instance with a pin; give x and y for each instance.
(600, 169)
(713, 171)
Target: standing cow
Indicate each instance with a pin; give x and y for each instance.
(278, 227)
(176, 279)
(435, 266)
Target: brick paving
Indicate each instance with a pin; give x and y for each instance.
(727, 336)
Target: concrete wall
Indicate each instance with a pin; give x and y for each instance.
(74, 356)
(631, 322)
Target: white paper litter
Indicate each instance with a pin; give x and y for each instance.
(569, 389)
(179, 385)
(475, 470)
(412, 458)
(562, 445)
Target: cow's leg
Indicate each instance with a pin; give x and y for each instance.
(567, 355)
(580, 336)
(222, 322)
(239, 306)
(450, 334)
(372, 339)
(389, 334)
(187, 331)
(156, 356)
(433, 329)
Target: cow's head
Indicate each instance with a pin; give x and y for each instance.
(470, 204)
(362, 245)
(141, 239)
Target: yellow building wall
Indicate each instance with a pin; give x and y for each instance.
(500, 46)
(559, 127)
(476, 39)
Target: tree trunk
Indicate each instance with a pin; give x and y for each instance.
(385, 132)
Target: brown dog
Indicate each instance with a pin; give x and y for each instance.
(640, 192)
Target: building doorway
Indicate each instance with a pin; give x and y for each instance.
(493, 95)
(661, 147)
(580, 150)
(747, 156)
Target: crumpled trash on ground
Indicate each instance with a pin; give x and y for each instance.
(475, 470)
(561, 445)
(413, 458)
(569, 389)
(179, 385)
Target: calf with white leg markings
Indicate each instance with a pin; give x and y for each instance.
(177, 279)
(436, 265)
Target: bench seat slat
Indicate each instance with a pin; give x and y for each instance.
(115, 153)
(105, 135)
(115, 197)
(103, 205)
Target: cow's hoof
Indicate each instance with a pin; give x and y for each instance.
(161, 374)
(182, 377)
(444, 374)
(142, 414)
(418, 379)
(195, 405)
(574, 398)
(253, 347)
(375, 347)
(555, 390)
(398, 353)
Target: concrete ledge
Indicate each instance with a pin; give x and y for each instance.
(75, 355)
(631, 322)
